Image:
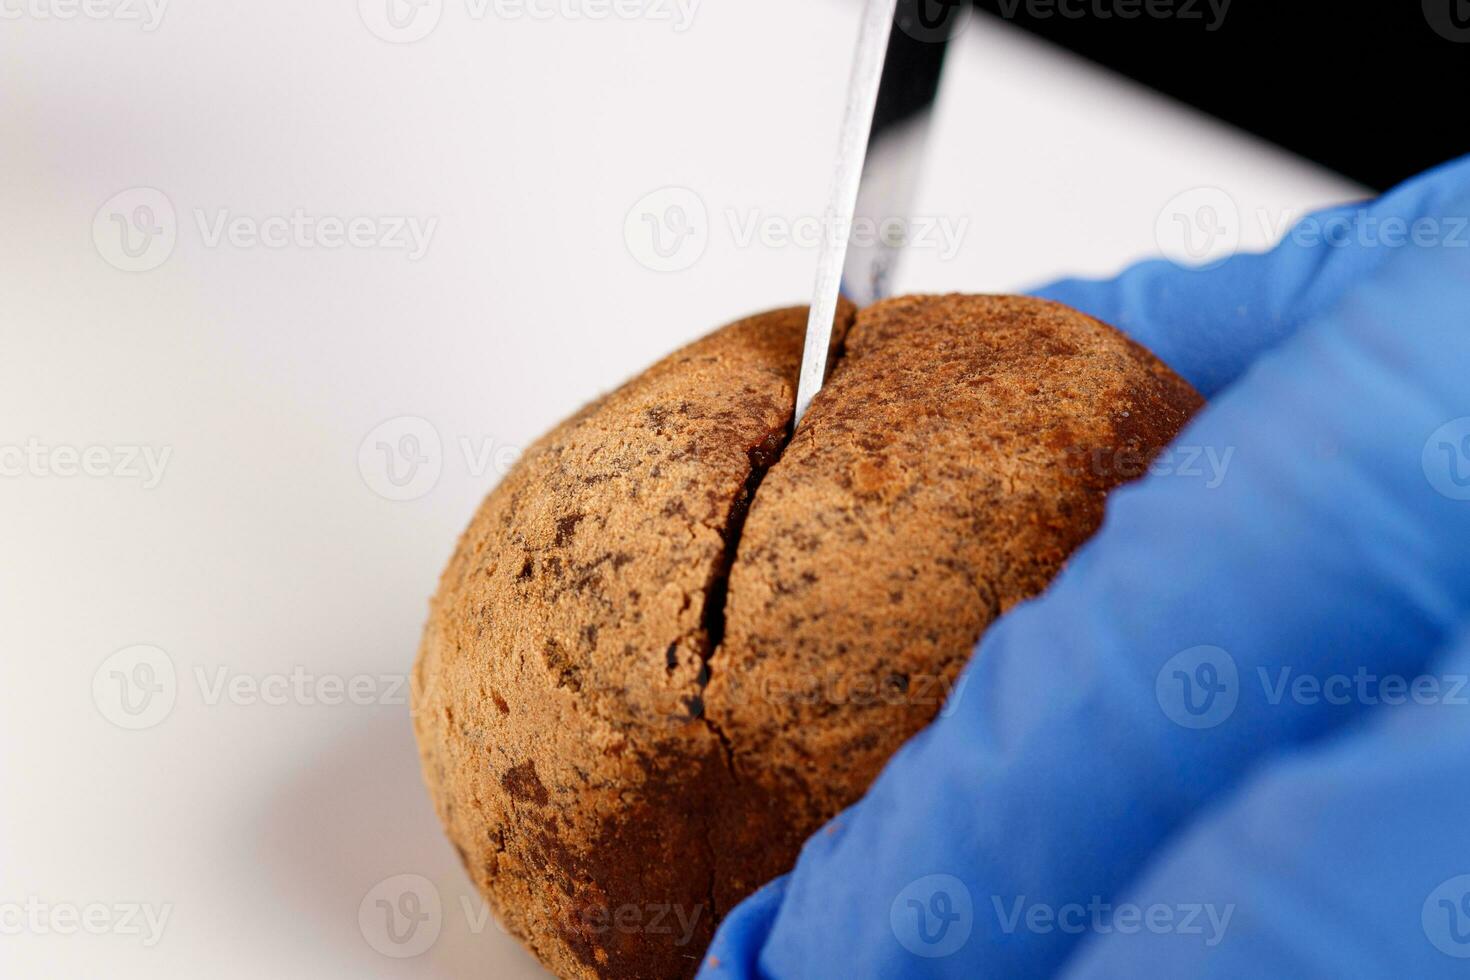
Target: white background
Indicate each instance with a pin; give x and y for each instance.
(265, 549)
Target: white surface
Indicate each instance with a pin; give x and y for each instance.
(264, 550)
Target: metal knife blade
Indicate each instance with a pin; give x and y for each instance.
(890, 99)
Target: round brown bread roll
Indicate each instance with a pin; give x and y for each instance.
(675, 640)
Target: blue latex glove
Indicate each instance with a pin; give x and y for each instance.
(1134, 779)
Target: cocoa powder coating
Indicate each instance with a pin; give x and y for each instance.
(677, 638)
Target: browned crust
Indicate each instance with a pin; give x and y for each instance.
(942, 476)
(557, 692)
(590, 751)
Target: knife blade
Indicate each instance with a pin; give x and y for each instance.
(885, 126)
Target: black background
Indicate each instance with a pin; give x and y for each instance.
(1374, 90)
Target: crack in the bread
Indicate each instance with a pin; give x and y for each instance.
(763, 455)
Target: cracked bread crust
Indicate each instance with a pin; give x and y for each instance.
(606, 733)
(942, 476)
(557, 694)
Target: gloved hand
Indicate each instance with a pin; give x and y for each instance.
(1233, 738)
